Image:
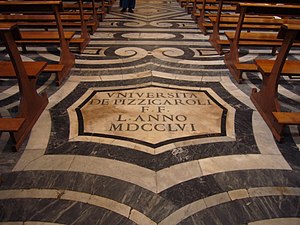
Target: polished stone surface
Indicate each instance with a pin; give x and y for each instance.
(150, 128)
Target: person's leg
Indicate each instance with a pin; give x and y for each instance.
(131, 5)
(121, 3)
(124, 5)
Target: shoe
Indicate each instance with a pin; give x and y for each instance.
(123, 10)
(130, 10)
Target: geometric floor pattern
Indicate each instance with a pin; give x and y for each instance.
(150, 128)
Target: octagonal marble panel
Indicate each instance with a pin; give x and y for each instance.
(151, 119)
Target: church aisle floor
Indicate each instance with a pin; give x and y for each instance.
(150, 128)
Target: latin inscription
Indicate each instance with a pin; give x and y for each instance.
(152, 114)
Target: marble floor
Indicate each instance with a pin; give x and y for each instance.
(150, 128)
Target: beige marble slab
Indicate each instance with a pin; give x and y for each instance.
(242, 162)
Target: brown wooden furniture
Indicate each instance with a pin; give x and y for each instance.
(256, 39)
(209, 8)
(266, 100)
(32, 70)
(34, 37)
(31, 103)
(195, 13)
(48, 21)
(106, 4)
(84, 35)
(84, 9)
(229, 21)
(42, 19)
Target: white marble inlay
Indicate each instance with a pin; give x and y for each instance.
(98, 201)
(15, 89)
(295, 134)
(191, 36)
(104, 35)
(140, 218)
(216, 199)
(168, 54)
(134, 23)
(242, 162)
(122, 29)
(9, 91)
(187, 171)
(266, 191)
(289, 94)
(151, 43)
(238, 194)
(184, 212)
(131, 53)
(236, 92)
(148, 35)
(113, 168)
(263, 136)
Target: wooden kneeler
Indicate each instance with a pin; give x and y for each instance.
(31, 103)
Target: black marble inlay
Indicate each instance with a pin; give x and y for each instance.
(58, 211)
(198, 188)
(111, 188)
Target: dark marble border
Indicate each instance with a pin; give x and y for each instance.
(245, 143)
(58, 211)
(242, 212)
(162, 204)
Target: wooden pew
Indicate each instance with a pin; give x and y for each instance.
(195, 11)
(58, 37)
(107, 5)
(256, 39)
(183, 3)
(187, 4)
(78, 7)
(266, 100)
(48, 21)
(212, 7)
(31, 103)
(250, 21)
(33, 19)
(85, 37)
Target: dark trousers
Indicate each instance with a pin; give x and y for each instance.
(130, 4)
(121, 3)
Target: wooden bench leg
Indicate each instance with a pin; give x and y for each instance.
(214, 38)
(67, 59)
(68, 63)
(94, 28)
(231, 59)
(266, 102)
(11, 125)
(31, 103)
(201, 20)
